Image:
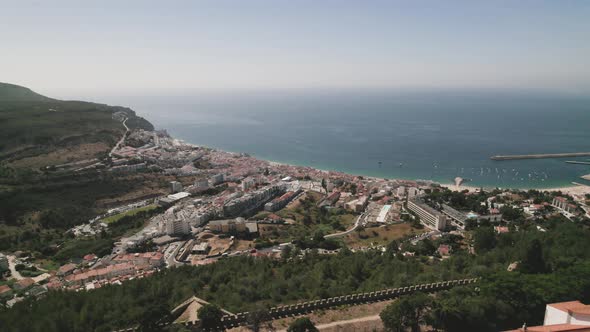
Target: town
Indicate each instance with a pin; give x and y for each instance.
(223, 204)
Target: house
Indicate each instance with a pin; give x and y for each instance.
(186, 312)
(444, 250)
(330, 200)
(238, 225)
(200, 248)
(37, 290)
(155, 259)
(24, 283)
(494, 211)
(357, 205)
(5, 291)
(64, 270)
(274, 219)
(501, 229)
(563, 317)
(90, 257)
(563, 204)
(102, 273)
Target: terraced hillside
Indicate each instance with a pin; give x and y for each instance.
(37, 131)
(39, 204)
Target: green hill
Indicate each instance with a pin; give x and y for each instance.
(12, 93)
(37, 131)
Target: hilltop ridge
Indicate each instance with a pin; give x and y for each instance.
(12, 92)
(37, 131)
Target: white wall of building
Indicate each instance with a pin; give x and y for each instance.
(580, 319)
(555, 316)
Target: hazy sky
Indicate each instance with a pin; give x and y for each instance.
(66, 47)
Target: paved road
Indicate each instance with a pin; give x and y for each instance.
(422, 236)
(356, 225)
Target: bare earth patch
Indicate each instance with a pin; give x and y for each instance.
(63, 155)
(362, 317)
(381, 235)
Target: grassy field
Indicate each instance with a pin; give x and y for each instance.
(305, 218)
(118, 217)
(376, 236)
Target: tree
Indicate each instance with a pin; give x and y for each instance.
(392, 248)
(154, 313)
(258, 319)
(325, 185)
(484, 239)
(303, 324)
(425, 247)
(533, 260)
(408, 312)
(286, 252)
(511, 214)
(210, 316)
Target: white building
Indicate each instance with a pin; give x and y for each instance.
(201, 184)
(562, 203)
(217, 179)
(175, 187)
(401, 192)
(413, 192)
(572, 312)
(382, 217)
(176, 227)
(428, 216)
(248, 183)
(563, 316)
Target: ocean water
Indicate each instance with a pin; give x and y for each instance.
(432, 135)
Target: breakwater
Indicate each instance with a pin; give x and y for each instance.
(540, 156)
(578, 162)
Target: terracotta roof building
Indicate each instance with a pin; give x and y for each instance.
(563, 317)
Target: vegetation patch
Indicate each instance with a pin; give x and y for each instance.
(117, 217)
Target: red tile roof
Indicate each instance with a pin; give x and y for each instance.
(4, 289)
(554, 328)
(566, 306)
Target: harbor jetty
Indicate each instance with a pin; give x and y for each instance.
(578, 162)
(540, 156)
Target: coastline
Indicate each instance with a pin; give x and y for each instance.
(574, 188)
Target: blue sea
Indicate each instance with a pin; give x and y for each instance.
(428, 134)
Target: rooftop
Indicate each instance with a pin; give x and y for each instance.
(554, 328)
(576, 307)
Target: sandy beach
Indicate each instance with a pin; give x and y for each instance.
(576, 189)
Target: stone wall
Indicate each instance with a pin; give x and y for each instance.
(229, 321)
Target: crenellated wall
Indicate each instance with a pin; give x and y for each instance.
(229, 321)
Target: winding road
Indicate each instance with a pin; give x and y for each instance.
(12, 267)
(356, 225)
(122, 138)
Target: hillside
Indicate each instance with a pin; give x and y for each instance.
(37, 131)
(12, 93)
(40, 204)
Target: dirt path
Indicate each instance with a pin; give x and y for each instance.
(343, 324)
(13, 272)
(373, 318)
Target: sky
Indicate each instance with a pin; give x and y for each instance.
(67, 48)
